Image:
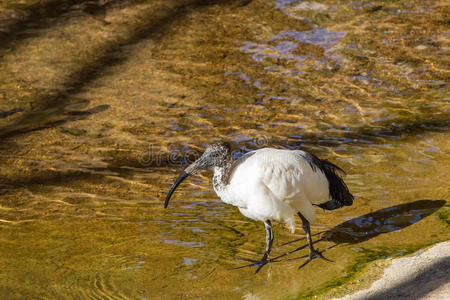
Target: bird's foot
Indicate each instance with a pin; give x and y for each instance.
(312, 255)
(259, 263)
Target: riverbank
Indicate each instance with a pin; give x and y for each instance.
(423, 275)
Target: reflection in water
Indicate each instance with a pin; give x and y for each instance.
(382, 221)
(285, 48)
(184, 243)
(319, 37)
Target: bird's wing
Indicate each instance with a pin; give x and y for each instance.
(257, 192)
(295, 179)
(293, 182)
(276, 184)
(289, 175)
(283, 172)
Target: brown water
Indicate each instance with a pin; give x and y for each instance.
(103, 103)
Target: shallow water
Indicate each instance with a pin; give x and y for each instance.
(103, 104)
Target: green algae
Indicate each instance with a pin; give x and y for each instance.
(444, 216)
(366, 269)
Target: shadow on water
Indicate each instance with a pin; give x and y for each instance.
(52, 178)
(385, 220)
(371, 225)
(110, 55)
(43, 15)
(395, 129)
(37, 16)
(48, 118)
(5, 114)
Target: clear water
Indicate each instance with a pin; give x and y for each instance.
(103, 104)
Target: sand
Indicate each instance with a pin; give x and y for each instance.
(424, 275)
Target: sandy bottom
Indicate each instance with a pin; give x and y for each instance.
(425, 275)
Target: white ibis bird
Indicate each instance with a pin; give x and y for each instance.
(273, 184)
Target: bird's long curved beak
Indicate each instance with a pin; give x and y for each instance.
(192, 169)
(177, 182)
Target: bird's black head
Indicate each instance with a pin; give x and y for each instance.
(215, 155)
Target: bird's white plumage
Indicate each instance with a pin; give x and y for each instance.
(274, 184)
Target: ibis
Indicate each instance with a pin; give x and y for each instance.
(273, 185)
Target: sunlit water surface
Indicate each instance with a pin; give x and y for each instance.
(102, 105)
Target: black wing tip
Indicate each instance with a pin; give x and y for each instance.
(337, 203)
(336, 170)
(340, 195)
(323, 164)
(349, 200)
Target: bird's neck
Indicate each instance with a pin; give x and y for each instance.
(221, 177)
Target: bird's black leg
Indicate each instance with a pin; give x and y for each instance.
(313, 253)
(269, 241)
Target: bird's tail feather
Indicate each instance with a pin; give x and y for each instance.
(340, 195)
